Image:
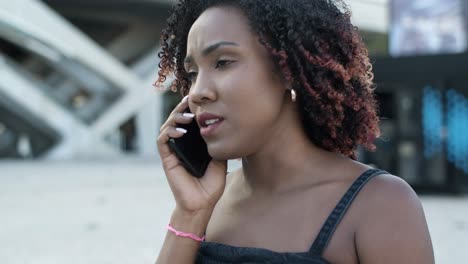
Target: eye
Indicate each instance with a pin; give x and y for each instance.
(223, 63)
(192, 76)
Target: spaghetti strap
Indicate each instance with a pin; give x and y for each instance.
(337, 214)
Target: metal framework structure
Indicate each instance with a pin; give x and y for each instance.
(72, 86)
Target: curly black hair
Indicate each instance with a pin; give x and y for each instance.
(317, 50)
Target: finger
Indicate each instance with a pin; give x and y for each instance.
(177, 118)
(162, 142)
(181, 106)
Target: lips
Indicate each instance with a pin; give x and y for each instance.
(208, 123)
(207, 119)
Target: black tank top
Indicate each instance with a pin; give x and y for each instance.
(215, 253)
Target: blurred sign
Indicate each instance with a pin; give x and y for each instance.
(422, 27)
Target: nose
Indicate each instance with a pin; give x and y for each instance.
(202, 91)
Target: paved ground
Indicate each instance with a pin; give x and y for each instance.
(114, 212)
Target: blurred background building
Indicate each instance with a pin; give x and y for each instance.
(76, 82)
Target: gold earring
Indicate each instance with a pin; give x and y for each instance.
(293, 95)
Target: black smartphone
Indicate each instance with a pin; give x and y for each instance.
(191, 149)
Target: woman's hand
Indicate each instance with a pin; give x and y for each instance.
(192, 195)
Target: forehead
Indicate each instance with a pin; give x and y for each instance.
(219, 24)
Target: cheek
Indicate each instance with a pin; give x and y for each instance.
(251, 123)
(253, 101)
(247, 128)
(252, 86)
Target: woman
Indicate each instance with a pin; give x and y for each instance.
(286, 86)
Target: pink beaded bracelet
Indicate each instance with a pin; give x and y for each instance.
(182, 234)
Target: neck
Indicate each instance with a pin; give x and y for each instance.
(287, 161)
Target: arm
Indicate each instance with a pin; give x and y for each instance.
(181, 249)
(394, 229)
(195, 197)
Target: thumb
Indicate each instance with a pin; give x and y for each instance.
(215, 173)
(217, 166)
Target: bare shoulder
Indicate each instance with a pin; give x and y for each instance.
(392, 226)
(389, 190)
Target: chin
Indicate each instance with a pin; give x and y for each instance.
(221, 152)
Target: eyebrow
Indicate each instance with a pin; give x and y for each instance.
(210, 49)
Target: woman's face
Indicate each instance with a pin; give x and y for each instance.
(236, 93)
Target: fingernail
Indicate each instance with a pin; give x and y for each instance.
(190, 115)
(181, 130)
(185, 98)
